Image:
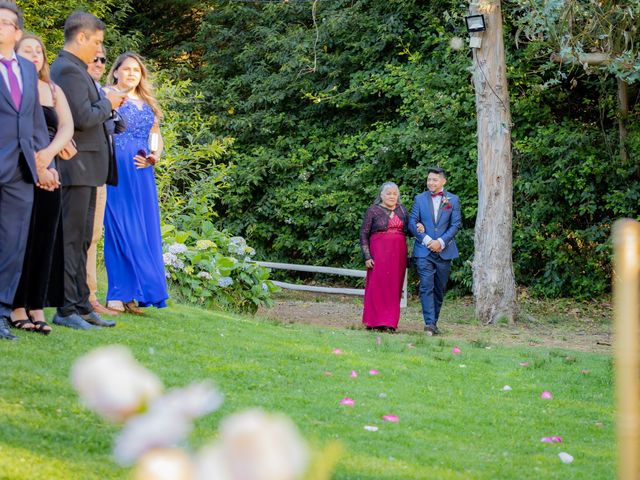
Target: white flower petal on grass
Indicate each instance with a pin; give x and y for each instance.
(507, 388)
(112, 383)
(254, 445)
(371, 428)
(565, 457)
(164, 464)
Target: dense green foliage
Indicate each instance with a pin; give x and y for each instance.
(324, 109)
(295, 112)
(471, 427)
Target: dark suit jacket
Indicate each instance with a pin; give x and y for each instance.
(445, 226)
(90, 112)
(23, 131)
(115, 124)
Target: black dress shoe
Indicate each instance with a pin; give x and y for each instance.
(94, 319)
(5, 332)
(74, 321)
(431, 330)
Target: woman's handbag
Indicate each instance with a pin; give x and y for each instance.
(68, 151)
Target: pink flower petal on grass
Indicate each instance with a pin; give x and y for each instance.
(336, 351)
(347, 401)
(546, 395)
(554, 439)
(373, 372)
(390, 418)
(524, 364)
(455, 350)
(354, 374)
(327, 374)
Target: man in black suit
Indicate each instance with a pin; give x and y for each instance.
(83, 38)
(23, 131)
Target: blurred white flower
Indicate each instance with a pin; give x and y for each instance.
(205, 275)
(210, 464)
(167, 422)
(254, 445)
(150, 430)
(112, 383)
(191, 402)
(456, 43)
(177, 248)
(164, 464)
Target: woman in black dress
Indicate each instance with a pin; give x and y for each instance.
(41, 283)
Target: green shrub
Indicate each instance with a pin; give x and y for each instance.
(209, 268)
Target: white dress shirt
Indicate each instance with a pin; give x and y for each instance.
(437, 202)
(16, 69)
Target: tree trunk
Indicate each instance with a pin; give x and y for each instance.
(494, 288)
(623, 111)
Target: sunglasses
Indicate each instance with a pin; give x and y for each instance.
(102, 60)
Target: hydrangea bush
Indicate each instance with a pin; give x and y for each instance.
(210, 268)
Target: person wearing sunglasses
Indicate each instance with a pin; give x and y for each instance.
(115, 124)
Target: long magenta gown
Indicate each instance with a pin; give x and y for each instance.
(383, 284)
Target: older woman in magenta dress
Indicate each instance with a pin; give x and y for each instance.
(384, 248)
(132, 237)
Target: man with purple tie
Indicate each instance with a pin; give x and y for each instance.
(439, 214)
(23, 133)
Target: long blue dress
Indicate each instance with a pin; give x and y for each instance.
(132, 238)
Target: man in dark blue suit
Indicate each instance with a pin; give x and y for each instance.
(434, 221)
(22, 134)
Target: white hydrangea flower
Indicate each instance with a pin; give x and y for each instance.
(112, 383)
(177, 248)
(169, 258)
(205, 275)
(204, 244)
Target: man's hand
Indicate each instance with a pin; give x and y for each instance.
(420, 227)
(434, 246)
(116, 98)
(44, 158)
(369, 264)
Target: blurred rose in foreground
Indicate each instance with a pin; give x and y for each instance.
(164, 464)
(254, 445)
(168, 421)
(112, 383)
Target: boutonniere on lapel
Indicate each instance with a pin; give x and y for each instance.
(445, 203)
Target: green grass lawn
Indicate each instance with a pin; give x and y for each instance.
(454, 422)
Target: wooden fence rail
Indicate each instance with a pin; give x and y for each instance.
(348, 272)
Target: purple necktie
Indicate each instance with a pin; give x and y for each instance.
(14, 86)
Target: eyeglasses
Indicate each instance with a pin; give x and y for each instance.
(102, 60)
(8, 23)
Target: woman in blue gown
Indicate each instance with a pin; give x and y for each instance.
(132, 237)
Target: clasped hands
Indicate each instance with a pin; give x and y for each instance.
(434, 245)
(48, 177)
